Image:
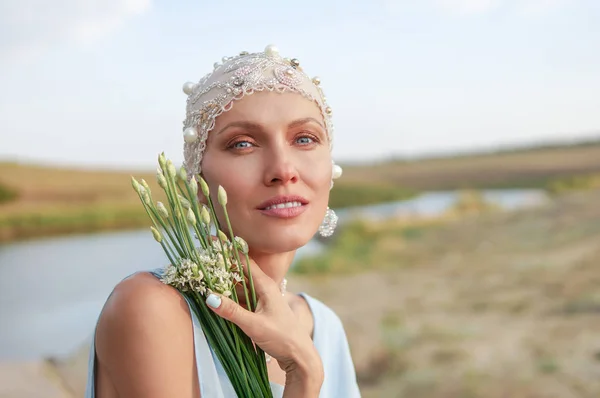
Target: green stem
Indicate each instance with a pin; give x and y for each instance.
(251, 305)
(183, 227)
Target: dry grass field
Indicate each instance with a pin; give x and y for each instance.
(525, 168)
(489, 306)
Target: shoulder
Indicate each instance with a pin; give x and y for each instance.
(141, 301)
(323, 314)
(144, 338)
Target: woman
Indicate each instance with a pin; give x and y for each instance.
(261, 128)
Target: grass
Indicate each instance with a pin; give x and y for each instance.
(532, 168)
(487, 305)
(7, 194)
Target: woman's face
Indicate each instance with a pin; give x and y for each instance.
(271, 154)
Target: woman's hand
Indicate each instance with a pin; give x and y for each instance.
(276, 330)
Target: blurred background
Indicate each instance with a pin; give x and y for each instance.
(466, 262)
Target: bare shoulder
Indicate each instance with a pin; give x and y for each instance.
(144, 340)
(140, 300)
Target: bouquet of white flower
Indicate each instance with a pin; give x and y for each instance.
(213, 266)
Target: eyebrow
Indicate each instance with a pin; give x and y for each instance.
(256, 126)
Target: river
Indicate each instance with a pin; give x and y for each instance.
(52, 289)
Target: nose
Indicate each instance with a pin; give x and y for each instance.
(280, 169)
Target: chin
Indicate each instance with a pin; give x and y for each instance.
(281, 240)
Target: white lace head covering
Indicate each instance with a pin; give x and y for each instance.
(235, 78)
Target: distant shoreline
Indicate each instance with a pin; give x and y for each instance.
(38, 201)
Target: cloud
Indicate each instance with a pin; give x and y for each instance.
(30, 27)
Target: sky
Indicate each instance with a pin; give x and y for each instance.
(97, 83)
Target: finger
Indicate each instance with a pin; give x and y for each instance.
(231, 311)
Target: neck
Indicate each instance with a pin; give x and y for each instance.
(275, 265)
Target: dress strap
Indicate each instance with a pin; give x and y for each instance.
(208, 378)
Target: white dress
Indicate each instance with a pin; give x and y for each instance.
(329, 339)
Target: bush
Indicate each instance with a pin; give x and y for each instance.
(347, 195)
(574, 183)
(7, 194)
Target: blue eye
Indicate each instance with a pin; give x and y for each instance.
(305, 140)
(240, 146)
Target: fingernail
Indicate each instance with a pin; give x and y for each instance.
(213, 301)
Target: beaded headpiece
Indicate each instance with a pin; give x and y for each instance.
(235, 78)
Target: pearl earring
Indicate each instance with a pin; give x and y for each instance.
(329, 223)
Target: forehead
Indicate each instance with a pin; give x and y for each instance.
(268, 107)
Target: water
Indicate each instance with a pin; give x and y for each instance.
(52, 290)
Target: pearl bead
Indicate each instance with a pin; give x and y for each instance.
(289, 71)
(190, 135)
(188, 87)
(316, 80)
(216, 65)
(295, 62)
(336, 171)
(272, 51)
(328, 110)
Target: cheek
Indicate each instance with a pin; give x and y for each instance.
(318, 176)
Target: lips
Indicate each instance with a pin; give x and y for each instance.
(283, 202)
(287, 206)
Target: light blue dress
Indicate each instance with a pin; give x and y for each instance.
(329, 339)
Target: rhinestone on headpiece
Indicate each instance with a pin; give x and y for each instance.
(235, 78)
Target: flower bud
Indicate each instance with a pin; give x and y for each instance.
(162, 161)
(144, 194)
(145, 185)
(156, 234)
(184, 202)
(241, 244)
(162, 210)
(191, 217)
(135, 184)
(194, 186)
(222, 236)
(222, 196)
(205, 216)
(171, 169)
(204, 187)
(182, 174)
(162, 181)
